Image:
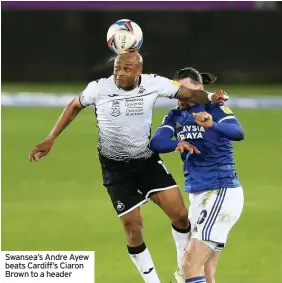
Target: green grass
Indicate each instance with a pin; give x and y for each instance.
(59, 203)
(259, 90)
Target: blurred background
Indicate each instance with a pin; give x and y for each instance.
(51, 50)
(240, 41)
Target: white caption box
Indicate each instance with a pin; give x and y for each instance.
(47, 267)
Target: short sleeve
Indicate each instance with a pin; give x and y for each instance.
(89, 94)
(166, 87)
(221, 113)
(169, 121)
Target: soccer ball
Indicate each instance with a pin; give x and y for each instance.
(124, 36)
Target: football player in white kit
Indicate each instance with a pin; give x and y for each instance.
(132, 173)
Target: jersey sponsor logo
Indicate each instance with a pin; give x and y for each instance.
(112, 95)
(120, 206)
(134, 106)
(226, 110)
(192, 132)
(115, 110)
(175, 83)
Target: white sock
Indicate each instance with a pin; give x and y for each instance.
(144, 263)
(181, 239)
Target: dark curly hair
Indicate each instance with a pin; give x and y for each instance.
(194, 75)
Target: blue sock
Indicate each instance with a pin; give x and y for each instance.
(198, 279)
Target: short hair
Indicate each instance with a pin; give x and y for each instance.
(137, 55)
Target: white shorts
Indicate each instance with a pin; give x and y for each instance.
(213, 213)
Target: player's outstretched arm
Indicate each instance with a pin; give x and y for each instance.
(162, 142)
(200, 96)
(67, 116)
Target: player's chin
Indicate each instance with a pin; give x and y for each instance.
(185, 106)
(121, 84)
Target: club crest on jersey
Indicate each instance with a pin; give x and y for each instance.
(115, 110)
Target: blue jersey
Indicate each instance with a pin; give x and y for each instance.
(214, 167)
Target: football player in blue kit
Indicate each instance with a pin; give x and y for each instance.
(203, 135)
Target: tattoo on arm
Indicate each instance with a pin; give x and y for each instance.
(193, 96)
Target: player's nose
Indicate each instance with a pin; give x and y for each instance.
(121, 73)
(121, 76)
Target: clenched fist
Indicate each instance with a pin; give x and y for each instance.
(203, 119)
(219, 96)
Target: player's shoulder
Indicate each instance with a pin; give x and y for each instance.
(149, 76)
(174, 112)
(153, 77)
(101, 85)
(103, 81)
(171, 117)
(157, 80)
(219, 107)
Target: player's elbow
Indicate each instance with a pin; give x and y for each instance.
(155, 144)
(240, 135)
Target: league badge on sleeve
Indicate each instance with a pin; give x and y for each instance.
(175, 83)
(226, 110)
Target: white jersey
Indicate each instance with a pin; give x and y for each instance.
(124, 117)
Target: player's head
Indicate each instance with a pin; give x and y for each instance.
(127, 70)
(192, 79)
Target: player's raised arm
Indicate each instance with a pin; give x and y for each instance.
(67, 116)
(86, 98)
(173, 89)
(200, 96)
(221, 121)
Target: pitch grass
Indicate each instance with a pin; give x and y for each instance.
(60, 203)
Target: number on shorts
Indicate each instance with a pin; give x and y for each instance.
(161, 163)
(202, 217)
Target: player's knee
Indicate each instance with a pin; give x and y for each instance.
(191, 265)
(133, 228)
(180, 218)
